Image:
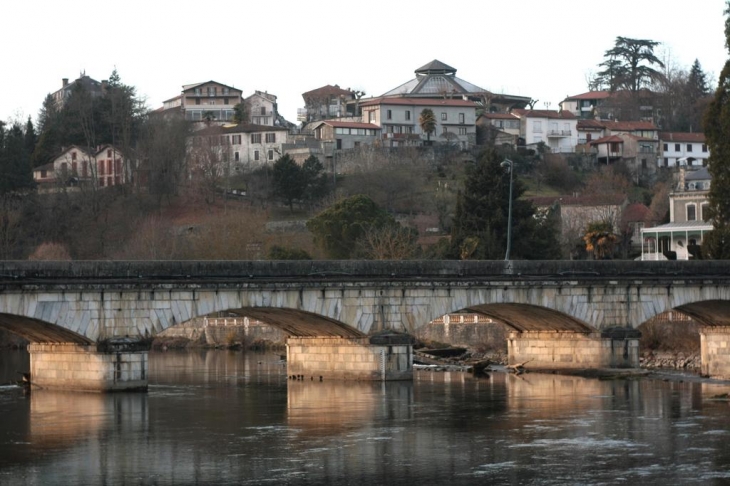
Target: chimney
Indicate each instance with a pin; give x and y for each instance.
(65, 82)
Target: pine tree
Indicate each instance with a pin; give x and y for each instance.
(479, 227)
(629, 64)
(288, 180)
(717, 126)
(15, 170)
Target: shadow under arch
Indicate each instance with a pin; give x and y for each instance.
(708, 312)
(37, 331)
(299, 323)
(528, 317)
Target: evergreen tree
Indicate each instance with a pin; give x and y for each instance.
(49, 133)
(30, 137)
(479, 227)
(629, 65)
(697, 82)
(314, 179)
(15, 170)
(288, 180)
(717, 126)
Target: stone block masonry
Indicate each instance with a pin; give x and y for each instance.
(334, 358)
(715, 351)
(569, 350)
(85, 368)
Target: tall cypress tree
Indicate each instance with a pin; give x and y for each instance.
(479, 228)
(15, 170)
(717, 126)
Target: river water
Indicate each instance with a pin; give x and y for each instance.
(219, 417)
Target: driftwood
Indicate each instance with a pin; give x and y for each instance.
(517, 368)
(479, 367)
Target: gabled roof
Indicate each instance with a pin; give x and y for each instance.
(188, 87)
(564, 115)
(240, 128)
(417, 102)
(590, 125)
(609, 139)
(591, 95)
(686, 137)
(328, 90)
(341, 124)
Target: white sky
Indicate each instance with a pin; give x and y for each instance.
(538, 48)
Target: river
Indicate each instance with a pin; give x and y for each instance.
(219, 417)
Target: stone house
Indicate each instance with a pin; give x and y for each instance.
(242, 145)
(210, 98)
(105, 166)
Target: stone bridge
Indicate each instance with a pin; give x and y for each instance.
(564, 314)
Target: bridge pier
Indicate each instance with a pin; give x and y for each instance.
(561, 350)
(105, 367)
(715, 351)
(357, 359)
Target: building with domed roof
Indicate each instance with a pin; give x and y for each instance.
(438, 80)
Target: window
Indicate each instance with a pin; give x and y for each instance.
(614, 147)
(666, 161)
(255, 138)
(109, 153)
(676, 147)
(225, 101)
(263, 110)
(236, 156)
(271, 155)
(44, 174)
(339, 144)
(691, 212)
(73, 167)
(408, 114)
(109, 166)
(588, 137)
(443, 117)
(666, 147)
(689, 147)
(101, 167)
(371, 116)
(197, 91)
(270, 138)
(536, 127)
(197, 101)
(462, 130)
(446, 130)
(211, 90)
(704, 147)
(255, 155)
(389, 115)
(73, 155)
(461, 118)
(357, 144)
(705, 211)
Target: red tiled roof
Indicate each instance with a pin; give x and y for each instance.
(544, 114)
(417, 102)
(687, 137)
(340, 124)
(327, 90)
(609, 139)
(590, 124)
(591, 95)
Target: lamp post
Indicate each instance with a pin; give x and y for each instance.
(510, 164)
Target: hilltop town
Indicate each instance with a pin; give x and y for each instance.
(618, 171)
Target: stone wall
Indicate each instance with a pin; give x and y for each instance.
(347, 359)
(222, 331)
(560, 350)
(83, 368)
(464, 330)
(715, 351)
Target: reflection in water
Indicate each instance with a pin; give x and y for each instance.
(232, 418)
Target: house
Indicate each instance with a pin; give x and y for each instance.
(325, 102)
(584, 105)
(683, 149)
(576, 212)
(681, 238)
(243, 145)
(398, 119)
(498, 129)
(437, 80)
(210, 100)
(556, 129)
(634, 142)
(345, 135)
(91, 86)
(105, 166)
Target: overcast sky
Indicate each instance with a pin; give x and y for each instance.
(537, 48)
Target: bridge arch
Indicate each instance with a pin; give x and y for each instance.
(38, 331)
(298, 323)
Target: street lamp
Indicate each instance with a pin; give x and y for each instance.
(510, 164)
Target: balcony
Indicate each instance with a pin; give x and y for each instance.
(559, 133)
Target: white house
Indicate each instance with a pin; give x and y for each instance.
(683, 149)
(398, 119)
(242, 145)
(688, 219)
(557, 129)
